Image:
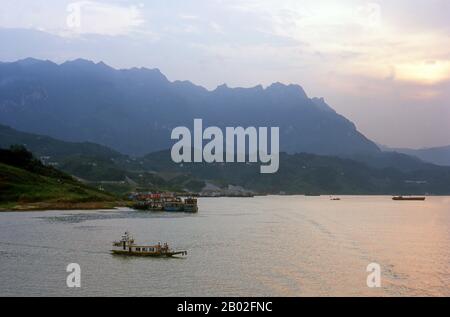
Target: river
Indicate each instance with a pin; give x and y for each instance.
(262, 246)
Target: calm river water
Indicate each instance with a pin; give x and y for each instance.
(263, 246)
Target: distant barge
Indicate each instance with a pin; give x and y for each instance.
(415, 198)
(126, 246)
(165, 202)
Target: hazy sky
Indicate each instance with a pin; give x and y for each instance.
(383, 64)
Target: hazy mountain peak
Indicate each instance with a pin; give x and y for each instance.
(222, 87)
(103, 65)
(29, 61)
(79, 62)
(143, 73)
(155, 71)
(291, 89)
(321, 104)
(187, 86)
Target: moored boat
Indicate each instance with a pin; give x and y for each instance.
(415, 198)
(190, 205)
(127, 246)
(149, 205)
(165, 202)
(173, 205)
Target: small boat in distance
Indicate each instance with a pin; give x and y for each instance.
(416, 198)
(335, 198)
(126, 246)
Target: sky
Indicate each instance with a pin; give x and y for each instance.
(383, 64)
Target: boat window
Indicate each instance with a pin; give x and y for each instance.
(144, 249)
(138, 249)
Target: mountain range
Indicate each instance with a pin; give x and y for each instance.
(134, 110)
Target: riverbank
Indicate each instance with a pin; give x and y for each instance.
(48, 206)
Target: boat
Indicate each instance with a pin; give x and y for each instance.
(416, 198)
(149, 205)
(165, 202)
(190, 205)
(127, 246)
(173, 205)
(335, 198)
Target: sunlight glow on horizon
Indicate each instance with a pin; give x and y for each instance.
(429, 72)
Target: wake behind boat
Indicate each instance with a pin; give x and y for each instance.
(126, 246)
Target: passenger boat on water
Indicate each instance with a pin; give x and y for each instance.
(126, 246)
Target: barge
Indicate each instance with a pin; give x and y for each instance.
(415, 198)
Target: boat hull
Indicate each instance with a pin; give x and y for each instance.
(148, 254)
(192, 209)
(409, 198)
(173, 209)
(186, 208)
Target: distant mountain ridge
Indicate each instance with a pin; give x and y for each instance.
(436, 155)
(133, 111)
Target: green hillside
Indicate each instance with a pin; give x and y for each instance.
(101, 167)
(94, 164)
(85, 160)
(25, 183)
(309, 173)
(41, 145)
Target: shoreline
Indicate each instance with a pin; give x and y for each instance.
(111, 205)
(49, 206)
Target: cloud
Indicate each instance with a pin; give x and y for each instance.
(89, 17)
(188, 17)
(365, 38)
